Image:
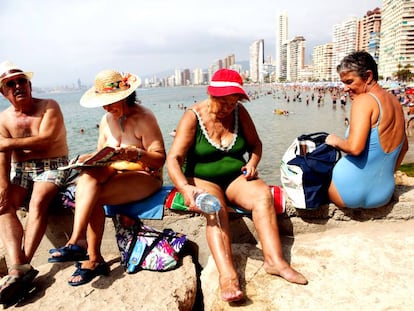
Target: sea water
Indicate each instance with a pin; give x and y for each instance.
(168, 104)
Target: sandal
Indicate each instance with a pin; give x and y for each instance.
(14, 287)
(88, 275)
(71, 252)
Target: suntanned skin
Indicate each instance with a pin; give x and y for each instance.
(104, 185)
(364, 116)
(30, 129)
(246, 191)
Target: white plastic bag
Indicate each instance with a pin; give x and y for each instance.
(291, 176)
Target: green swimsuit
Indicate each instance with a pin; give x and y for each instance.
(210, 161)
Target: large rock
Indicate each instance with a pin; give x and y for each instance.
(145, 290)
(177, 289)
(365, 266)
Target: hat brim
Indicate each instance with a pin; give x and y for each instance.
(92, 99)
(225, 91)
(28, 75)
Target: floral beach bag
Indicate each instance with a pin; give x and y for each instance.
(143, 247)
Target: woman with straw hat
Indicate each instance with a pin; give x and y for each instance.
(135, 134)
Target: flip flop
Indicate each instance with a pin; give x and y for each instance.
(13, 286)
(71, 252)
(88, 275)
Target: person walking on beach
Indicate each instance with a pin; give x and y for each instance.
(32, 146)
(208, 154)
(134, 132)
(375, 142)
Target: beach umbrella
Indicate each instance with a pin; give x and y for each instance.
(391, 85)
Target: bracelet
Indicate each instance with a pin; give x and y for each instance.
(139, 156)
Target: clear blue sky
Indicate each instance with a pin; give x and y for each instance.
(62, 41)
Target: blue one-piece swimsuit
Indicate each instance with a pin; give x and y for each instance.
(367, 180)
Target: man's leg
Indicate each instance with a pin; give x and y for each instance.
(11, 232)
(42, 195)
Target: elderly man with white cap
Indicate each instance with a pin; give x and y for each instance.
(32, 146)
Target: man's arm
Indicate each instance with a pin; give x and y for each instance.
(50, 130)
(4, 172)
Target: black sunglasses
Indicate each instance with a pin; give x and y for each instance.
(13, 83)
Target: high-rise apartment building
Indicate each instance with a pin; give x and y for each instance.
(296, 58)
(186, 77)
(369, 33)
(322, 62)
(397, 36)
(281, 46)
(256, 61)
(229, 60)
(218, 64)
(178, 77)
(344, 41)
(198, 77)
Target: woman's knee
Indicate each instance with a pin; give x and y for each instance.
(256, 198)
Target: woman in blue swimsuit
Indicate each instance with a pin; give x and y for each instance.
(375, 141)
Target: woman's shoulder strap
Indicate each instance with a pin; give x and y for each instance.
(379, 105)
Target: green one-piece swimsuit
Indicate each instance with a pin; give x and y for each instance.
(209, 161)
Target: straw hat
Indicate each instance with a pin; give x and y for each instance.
(226, 82)
(110, 86)
(8, 70)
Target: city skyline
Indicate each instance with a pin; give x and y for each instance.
(66, 41)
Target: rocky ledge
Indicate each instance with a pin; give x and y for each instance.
(354, 260)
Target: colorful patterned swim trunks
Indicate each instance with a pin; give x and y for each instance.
(24, 174)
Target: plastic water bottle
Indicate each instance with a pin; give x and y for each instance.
(207, 202)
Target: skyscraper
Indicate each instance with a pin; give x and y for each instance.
(397, 36)
(344, 41)
(256, 55)
(322, 62)
(296, 58)
(370, 33)
(281, 46)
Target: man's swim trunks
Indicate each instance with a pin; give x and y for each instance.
(25, 173)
